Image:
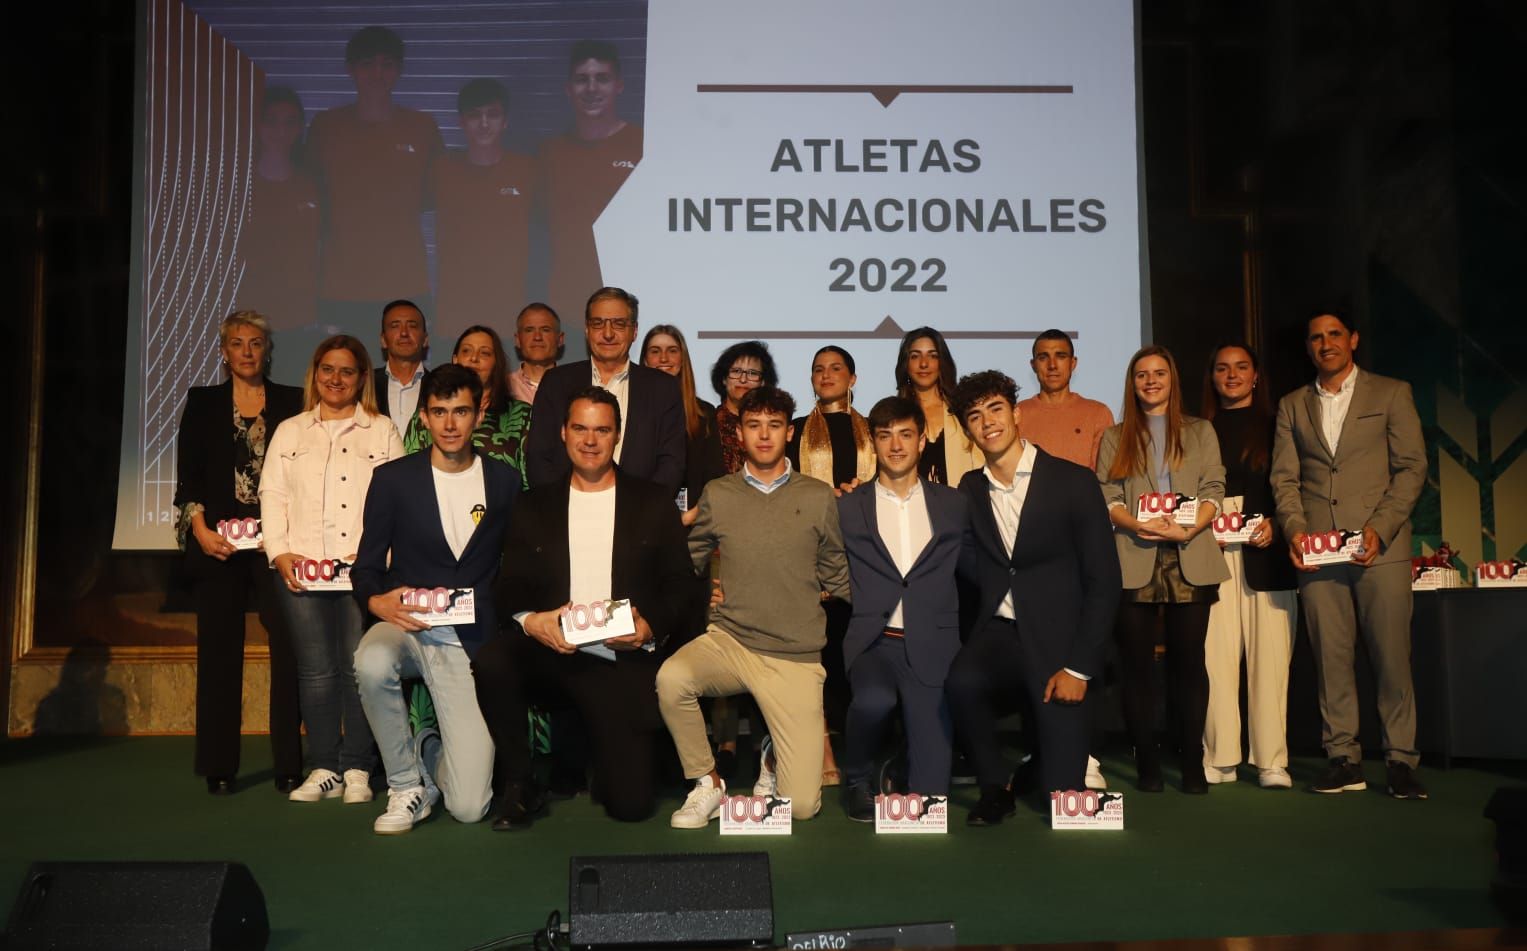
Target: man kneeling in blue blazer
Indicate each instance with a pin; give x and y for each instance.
(435, 521)
(903, 537)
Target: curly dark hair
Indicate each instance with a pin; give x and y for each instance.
(975, 388)
(769, 401)
(756, 349)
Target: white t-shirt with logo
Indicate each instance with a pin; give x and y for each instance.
(462, 499)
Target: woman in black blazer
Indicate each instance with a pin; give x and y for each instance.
(220, 453)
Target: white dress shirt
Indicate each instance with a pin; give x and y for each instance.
(313, 486)
(1007, 508)
(403, 398)
(905, 529)
(1334, 406)
(620, 388)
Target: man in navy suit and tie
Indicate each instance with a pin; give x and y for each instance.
(454, 544)
(1041, 552)
(903, 536)
(652, 438)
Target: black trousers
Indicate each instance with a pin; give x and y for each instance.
(222, 592)
(1188, 681)
(616, 700)
(996, 671)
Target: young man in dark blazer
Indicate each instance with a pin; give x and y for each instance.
(652, 440)
(408, 543)
(903, 537)
(597, 535)
(1041, 553)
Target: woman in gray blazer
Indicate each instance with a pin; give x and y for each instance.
(1171, 571)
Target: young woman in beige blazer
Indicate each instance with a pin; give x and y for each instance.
(1170, 571)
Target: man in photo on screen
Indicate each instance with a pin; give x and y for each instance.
(453, 545)
(583, 168)
(482, 199)
(781, 556)
(372, 157)
(539, 344)
(405, 344)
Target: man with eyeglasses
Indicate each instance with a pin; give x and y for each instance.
(653, 436)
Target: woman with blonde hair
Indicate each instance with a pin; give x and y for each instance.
(220, 453)
(1171, 571)
(312, 494)
(664, 348)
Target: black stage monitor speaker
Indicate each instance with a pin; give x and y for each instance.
(128, 906)
(671, 900)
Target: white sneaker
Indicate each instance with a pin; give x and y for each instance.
(1219, 774)
(320, 784)
(768, 783)
(701, 805)
(1274, 777)
(404, 808)
(1095, 778)
(357, 786)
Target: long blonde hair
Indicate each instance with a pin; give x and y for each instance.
(694, 422)
(362, 364)
(1134, 435)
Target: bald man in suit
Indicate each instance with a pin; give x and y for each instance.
(1349, 455)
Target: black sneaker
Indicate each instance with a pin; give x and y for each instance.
(859, 802)
(1341, 776)
(1402, 782)
(518, 807)
(995, 805)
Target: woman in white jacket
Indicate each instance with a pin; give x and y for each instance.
(312, 493)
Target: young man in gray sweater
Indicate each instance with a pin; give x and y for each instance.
(781, 550)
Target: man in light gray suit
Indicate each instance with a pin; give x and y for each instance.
(1349, 455)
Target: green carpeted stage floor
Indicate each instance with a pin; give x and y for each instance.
(1240, 861)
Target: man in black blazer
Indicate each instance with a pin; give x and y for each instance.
(903, 536)
(652, 440)
(435, 521)
(597, 535)
(1041, 552)
(405, 343)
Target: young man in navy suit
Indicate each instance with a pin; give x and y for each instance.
(1041, 552)
(454, 544)
(903, 537)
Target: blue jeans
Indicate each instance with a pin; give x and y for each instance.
(464, 770)
(326, 629)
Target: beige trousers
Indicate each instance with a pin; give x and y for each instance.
(1257, 625)
(788, 693)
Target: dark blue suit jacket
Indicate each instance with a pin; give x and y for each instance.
(652, 435)
(403, 518)
(1064, 570)
(930, 607)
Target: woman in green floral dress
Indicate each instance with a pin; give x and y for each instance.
(505, 423)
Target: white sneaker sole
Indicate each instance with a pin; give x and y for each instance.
(1352, 787)
(297, 795)
(358, 794)
(391, 829)
(1213, 776)
(1276, 781)
(688, 820)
